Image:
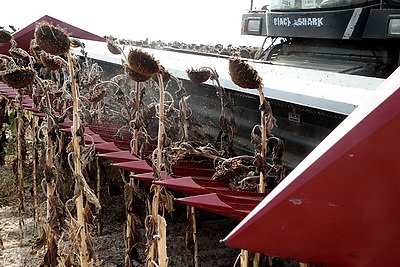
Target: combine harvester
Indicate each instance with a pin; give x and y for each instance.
(332, 58)
(338, 206)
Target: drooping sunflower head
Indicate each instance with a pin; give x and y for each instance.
(19, 77)
(243, 75)
(113, 47)
(134, 75)
(51, 62)
(143, 62)
(5, 36)
(198, 75)
(52, 39)
(17, 52)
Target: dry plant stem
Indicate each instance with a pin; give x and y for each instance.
(83, 258)
(244, 258)
(98, 194)
(256, 260)
(185, 122)
(261, 188)
(220, 91)
(34, 175)
(162, 241)
(130, 224)
(195, 240)
(50, 186)
(160, 124)
(199, 153)
(135, 131)
(21, 194)
(192, 210)
(156, 197)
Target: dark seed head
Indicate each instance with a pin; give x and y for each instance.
(3, 64)
(17, 52)
(5, 36)
(52, 39)
(198, 75)
(143, 62)
(113, 47)
(138, 77)
(51, 62)
(97, 96)
(243, 75)
(19, 77)
(76, 43)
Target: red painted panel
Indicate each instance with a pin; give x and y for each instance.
(340, 205)
(25, 35)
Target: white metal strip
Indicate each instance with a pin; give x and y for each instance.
(335, 92)
(352, 23)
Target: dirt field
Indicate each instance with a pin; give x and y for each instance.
(109, 246)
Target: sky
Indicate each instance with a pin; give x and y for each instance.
(200, 22)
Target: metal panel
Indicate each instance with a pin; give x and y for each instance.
(334, 92)
(334, 24)
(339, 207)
(377, 23)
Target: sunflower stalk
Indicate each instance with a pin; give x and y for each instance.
(20, 178)
(191, 232)
(132, 234)
(227, 121)
(261, 186)
(244, 258)
(158, 247)
(83, 251)
(34, 125)
(136, 131)
(3, 107)
(51, 260)
(98, 194)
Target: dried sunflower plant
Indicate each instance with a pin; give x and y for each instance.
(54, 41)
(141, 67)
(267, 144)
(18, 75)
(144, 64)
(269, 174)
(227, 120)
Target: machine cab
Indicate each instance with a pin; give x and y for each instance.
(327, 19)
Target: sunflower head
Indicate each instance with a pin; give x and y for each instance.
(143, 62)
(198, 75)
(52, 39)
(136, 76)
(17, 52)
(5, 36)
(113, 47)
(243, 75)
(51, 62)
(19, 77)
